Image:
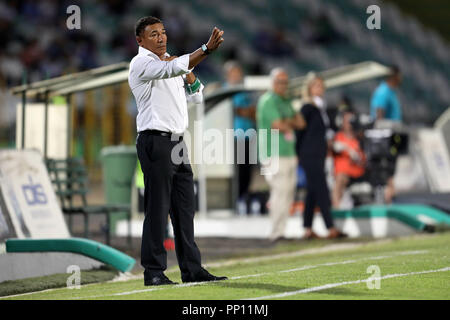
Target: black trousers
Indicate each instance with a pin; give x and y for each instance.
(317, 193)
(169, 189)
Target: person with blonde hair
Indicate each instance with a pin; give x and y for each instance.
(312, 148)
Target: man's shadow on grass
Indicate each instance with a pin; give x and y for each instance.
(343, 291)
(258, 286)
(281, 289)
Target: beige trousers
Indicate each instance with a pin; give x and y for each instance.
(282, 179)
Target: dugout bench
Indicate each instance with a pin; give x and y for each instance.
(70, 181)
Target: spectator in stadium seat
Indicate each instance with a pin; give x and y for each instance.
(349, 158)
(386, 105)
(318, 29)
(274, 111)
(312, 149)
(244, 111)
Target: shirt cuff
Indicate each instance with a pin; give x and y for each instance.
(196, 97)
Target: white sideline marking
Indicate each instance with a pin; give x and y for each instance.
(402, 253)
(333, 285)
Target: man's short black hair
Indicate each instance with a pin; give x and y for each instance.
(143, 22)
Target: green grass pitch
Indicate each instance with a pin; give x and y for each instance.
(416, 267)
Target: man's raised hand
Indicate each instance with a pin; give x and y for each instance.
(215, 39)
(213, 43)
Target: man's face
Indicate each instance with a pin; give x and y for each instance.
(154, 38)
(280, 84)
(234, 75)
(395, 80)
(398, 80)
(317, 88)
(347, 121)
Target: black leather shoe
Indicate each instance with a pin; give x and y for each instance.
(157, 280)
(202, 276)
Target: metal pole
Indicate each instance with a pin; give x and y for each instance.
(235, 178)
(69, 125)
(45, 123)
(24, 101)
(201, 169)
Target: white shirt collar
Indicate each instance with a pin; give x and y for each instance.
(144, 51)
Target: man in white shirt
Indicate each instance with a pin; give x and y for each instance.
(161, 85)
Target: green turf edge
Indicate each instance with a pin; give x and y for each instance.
(407, 214)
(87, 247)
(400, 243)
(12, 287)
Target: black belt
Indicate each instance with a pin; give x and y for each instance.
(172, 136)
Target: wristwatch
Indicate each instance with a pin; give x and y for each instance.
(205, 49)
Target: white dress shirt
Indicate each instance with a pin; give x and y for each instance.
(158, 87)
